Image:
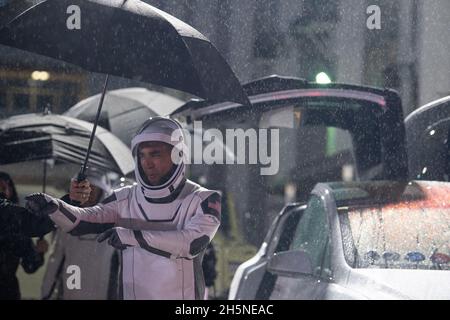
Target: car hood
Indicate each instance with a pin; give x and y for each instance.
(400, 283)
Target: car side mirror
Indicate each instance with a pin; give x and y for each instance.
(290, 263)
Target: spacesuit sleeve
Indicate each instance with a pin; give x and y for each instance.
(79, 221)
(185, 243)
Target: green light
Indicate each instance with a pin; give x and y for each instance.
(323, 78)
(331, 142)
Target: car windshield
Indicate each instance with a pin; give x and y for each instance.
(411, 233)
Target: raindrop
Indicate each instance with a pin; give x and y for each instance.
(393, 256)
(371, 256)
(414, 256)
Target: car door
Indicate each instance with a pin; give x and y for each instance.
(255, 282)
(308, 275)
(428, 141)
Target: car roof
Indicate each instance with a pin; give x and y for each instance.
(383, 192)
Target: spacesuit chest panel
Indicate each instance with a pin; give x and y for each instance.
(162, 216)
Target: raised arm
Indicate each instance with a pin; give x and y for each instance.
(75, 220)
(185, 243)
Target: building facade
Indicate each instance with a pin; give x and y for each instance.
(301, 38)
(410, 51)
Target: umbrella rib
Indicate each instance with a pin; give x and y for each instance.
(26, 141)
(194, 65)
(22, 12)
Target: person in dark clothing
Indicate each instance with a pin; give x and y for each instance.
(17, 226)
(209, 268)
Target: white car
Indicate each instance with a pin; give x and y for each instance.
(359, 240)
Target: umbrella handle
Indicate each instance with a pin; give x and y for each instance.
(80, 177)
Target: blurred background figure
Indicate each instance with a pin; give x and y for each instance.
(16, 245)
(209, 270)
(98, 262)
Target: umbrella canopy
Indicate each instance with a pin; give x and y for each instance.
(126, 38)
(124, 110)
(37, 136)
(428, 141)
(160, 103)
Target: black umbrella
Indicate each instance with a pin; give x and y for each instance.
(124, 110)
(428, 140)
(126, 38)
(38, 136)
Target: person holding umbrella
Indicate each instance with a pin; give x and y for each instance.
(70, 250)
(163, 224)
(155, 47)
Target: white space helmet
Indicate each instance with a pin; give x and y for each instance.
(162, 129)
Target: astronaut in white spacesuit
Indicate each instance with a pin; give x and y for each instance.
(162, 224)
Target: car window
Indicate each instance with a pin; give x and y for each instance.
(284, 233)
(313, 148)
(412, 233)
(280, 241)
(312, 235)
